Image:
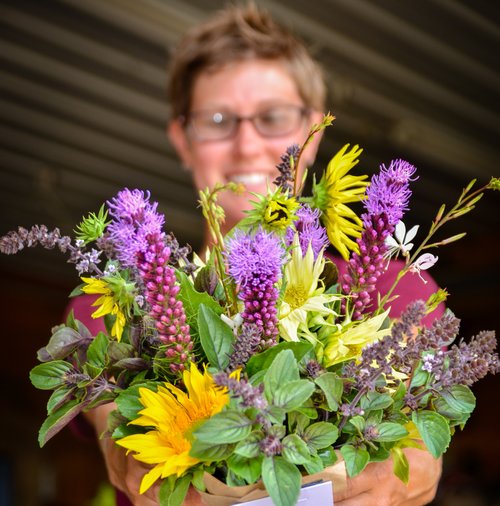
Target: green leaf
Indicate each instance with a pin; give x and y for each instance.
(460, 399)
(96, 353)
(119, 351)
(314, 465)
(282, 480)
(355, 459)
(401, 467)
(216, 337)
(295, 449)
(58, 398)
(332, 387)
(389, 431)
(328, 456)
(173, 494)
(223, 428)
(320, 435)
(58, 420)
(263, 360)
(250, 446)
(128, 401)
(375, 400)
(282, 370)
(419, 378)
(193, 299)
(434, 430)
(358, 422)
(92, 370)
(292, 395)
(248, 469)
(62, 343)
(210, 452)
(50, 375)
(179, 492)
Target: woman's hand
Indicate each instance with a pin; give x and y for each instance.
(378, 486)
(124, 472)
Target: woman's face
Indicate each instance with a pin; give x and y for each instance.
(244, 89)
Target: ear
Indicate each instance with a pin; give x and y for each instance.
(309, 155)
(179, 140)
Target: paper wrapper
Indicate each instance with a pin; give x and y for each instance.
(220, 494)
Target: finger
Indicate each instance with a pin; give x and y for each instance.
(363, 499)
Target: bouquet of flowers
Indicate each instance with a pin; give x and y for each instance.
(259, 365)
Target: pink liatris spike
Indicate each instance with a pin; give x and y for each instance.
(160, 290)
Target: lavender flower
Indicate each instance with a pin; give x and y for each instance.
(249, 396)
(255, 263)
(15, 241)
(287, 168)
(309, 229)
(134, 219)
(387, 199)
(246, 344)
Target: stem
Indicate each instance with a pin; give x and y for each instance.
(457, 210)
(327, 121)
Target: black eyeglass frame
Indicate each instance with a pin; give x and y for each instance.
(237, 119)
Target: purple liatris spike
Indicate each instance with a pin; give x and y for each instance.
(389, 192)
(134, 218)
(160, 291)
(255, 263)
(387, 200)
(309, 229)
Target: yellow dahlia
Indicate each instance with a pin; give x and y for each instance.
(172, 415)
(336, 189)
(304, 295)
(348, 342)
(107, 302)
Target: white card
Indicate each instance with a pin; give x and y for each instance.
(317, 494)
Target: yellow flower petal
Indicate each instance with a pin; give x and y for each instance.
(172, 414)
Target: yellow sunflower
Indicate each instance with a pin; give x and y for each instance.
(107, 303)
(173, 414)
(336, 189)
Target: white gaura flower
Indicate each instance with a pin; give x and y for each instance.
(422, 263)
(400, 242)
(303, 298)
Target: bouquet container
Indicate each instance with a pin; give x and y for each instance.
(220, 494)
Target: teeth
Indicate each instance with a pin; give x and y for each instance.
(250, 178)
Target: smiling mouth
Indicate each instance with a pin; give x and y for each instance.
(251, 178)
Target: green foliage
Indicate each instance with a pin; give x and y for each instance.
(434, 430)
(216, 337)
(282, 480)
(356, 458)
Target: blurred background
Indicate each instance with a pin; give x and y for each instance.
(83, 114)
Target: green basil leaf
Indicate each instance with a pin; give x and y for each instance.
(216, 337)
(282, 480)
(294, 394)
(434, 430)
(356, 459)
(224, 428)
(50, 375)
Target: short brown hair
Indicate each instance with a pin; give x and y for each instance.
(234, 34)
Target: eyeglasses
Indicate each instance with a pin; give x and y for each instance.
(218, 125)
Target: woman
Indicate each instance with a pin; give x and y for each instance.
(243, 89)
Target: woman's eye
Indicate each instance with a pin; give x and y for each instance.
(272, 117)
